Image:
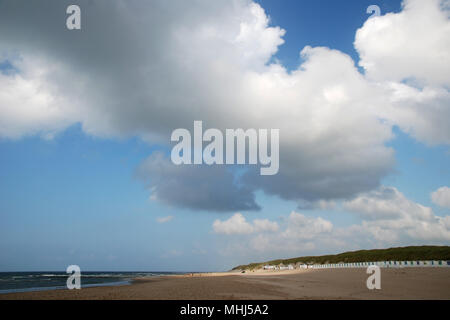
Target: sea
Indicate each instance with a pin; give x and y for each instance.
(50, 280)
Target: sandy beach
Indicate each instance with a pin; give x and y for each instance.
(408, 283)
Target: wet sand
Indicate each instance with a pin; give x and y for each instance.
(407, 283)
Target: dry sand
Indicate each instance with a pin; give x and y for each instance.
(407, 283)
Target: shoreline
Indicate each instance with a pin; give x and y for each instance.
(396, 284)
(90, 285)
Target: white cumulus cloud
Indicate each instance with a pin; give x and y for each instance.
(408, 53)
(441, 197)
(386, 203)
(413, 44)
(237, 224)
(164, 219)
(388, 218)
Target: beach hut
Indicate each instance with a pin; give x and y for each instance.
(282, 266)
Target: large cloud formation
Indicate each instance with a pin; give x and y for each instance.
(141, 68)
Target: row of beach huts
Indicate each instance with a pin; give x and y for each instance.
(381, 264)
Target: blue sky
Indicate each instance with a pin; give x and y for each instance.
(77, 197)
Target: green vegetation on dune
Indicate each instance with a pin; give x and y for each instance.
(391, 254)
